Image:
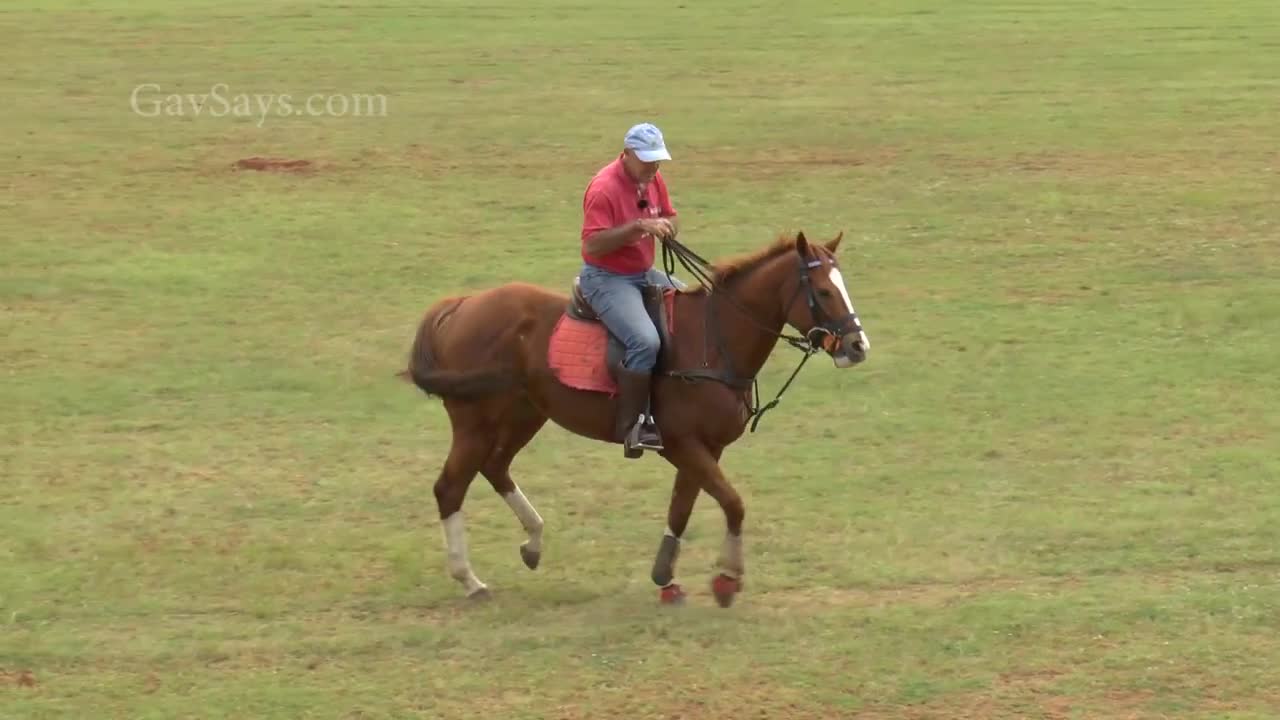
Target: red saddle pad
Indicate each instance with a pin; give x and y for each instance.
(577, 350)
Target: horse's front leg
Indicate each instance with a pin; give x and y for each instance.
(683, 495)
(703, 466)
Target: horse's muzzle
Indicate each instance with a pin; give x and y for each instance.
(853, 349)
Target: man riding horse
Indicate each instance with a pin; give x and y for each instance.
(624, 209)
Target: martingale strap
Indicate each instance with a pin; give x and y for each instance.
(674, 251)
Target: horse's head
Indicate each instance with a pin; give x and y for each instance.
(818, 303)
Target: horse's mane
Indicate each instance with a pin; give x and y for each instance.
(730, 268)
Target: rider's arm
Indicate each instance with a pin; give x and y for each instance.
(601, 233)
(604, 242)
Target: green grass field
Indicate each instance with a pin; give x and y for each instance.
(1048, 493)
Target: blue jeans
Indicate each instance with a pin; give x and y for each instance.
(617, 300)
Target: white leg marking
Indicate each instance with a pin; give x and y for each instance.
(455, 541)
(838, 280)
(529, 518)
(672, 534)
(731, 555)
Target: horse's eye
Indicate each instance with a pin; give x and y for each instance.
(823, 292)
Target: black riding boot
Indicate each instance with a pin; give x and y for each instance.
(633, 426)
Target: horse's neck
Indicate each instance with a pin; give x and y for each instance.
(751, 318)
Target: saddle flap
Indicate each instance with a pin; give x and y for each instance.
(655, 302)
(578, 305)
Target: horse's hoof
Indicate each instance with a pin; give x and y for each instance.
(724, 588)
(530, 557)
(480, 596)
(672, 594)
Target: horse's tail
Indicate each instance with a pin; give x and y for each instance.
(460, 384)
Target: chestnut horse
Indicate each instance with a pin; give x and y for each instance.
(486, 354)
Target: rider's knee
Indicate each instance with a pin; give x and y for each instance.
(642, 347)
(645, 339)
(642, 361)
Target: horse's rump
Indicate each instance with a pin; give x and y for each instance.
(464, 344)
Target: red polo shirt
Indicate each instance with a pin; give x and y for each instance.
(612, 198)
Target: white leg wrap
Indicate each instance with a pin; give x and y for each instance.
(529, 518)
(731, 555)
(455, 542)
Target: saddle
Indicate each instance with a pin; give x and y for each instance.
(655, 303)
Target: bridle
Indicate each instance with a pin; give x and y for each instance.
(822, 322)
(823, 325)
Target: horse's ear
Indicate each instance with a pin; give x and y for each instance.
(802, 243)
(835, 242)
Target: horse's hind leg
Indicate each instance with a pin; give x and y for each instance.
(512, 436)
(471, 446)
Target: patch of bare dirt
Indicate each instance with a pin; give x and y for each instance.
(684, 699)
(791, 160)
(941, 593)
(924, 593)
(21, 678)
(1091, 163)
(268, 164)
(1041, 296)
(1029, 696)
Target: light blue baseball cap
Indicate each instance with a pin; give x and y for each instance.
(646, 140)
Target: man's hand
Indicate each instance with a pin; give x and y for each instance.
(657, 227)
(606, 241)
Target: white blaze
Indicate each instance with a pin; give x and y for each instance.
(838, 280)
